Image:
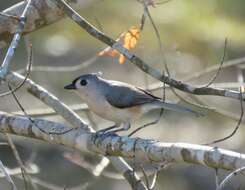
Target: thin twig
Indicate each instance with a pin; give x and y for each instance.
(8, 177)
(28, 71)
(237, 125)
(220, 66)
(216, 178)
(10, 16)
(31, 120)
(228, 178)
(4, 69)
(21, 164)
(198, 74)
(30, 168)
(3, 144)
(150, 186)
(146, 178)
(148, 124)
(154, 180)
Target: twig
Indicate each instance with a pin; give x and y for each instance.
(49, 99)
(228, 178)
(30, 168)
(31, 120)
(19, 161)
(99, 168)
(146, 178)
(21, 164)
(220, 66)
(220, 111)
(216, 178)
(237, 125)
(203, 72)
(76, 158)
(4, 69)
(10, 16)
(154, 180)
(148, 124)
(3, 144)
(8, 177)
(150, 186)
(28, 71)
(48, 185)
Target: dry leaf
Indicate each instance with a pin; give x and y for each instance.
(128, 40)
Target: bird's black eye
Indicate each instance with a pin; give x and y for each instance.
(83, 82)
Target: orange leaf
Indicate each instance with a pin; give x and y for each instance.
(131, 38)
(127, 39)
(121, 59)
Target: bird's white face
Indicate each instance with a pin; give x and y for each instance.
(86, 86)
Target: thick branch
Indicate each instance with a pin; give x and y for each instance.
(40, 14)
(112, 145)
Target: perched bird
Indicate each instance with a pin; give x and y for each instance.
(117, 101)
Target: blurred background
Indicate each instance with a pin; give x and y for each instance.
(193, 35)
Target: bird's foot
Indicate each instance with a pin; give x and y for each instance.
(104, 133)
(106, 130)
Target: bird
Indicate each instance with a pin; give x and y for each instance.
(117, 101)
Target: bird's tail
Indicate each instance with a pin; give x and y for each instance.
(174, 107)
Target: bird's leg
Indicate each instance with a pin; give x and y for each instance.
(125, 127)
(103, 131)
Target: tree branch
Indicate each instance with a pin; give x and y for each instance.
(4, 69)
(113, 145)
(40, 14)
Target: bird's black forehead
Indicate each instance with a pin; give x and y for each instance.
(86, 77)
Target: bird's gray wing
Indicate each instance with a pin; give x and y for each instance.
(122, 95)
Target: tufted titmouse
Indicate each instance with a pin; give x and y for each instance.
(117, 101)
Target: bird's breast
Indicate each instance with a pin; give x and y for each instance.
(105, 110)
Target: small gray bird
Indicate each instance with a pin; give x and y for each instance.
(117, 101)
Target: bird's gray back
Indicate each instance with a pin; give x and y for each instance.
(123, 95)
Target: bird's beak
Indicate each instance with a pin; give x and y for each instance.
(70, 87)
